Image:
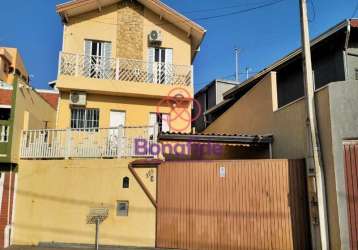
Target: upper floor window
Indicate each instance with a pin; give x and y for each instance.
(97, 59)
(163, 59)
(84, 118)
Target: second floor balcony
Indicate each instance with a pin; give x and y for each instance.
(116, 142)
(119, 74)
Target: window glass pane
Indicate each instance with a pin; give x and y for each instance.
(94, 48)
(162, 56)
(84, 118)
(156, 55)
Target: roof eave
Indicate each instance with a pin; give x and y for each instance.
(182, 22)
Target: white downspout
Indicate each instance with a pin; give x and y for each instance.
(7, 231)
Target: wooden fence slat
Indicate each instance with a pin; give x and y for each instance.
(248, 208)
(351, 173)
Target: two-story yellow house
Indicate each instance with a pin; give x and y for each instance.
(125, 72)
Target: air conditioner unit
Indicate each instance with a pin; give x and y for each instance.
(78, 98)
(155, 36)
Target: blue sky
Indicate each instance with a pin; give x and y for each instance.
(263, 35)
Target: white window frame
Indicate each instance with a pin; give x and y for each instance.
(84, 121)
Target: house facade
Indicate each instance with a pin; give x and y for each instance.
(125, 69)
(273, 102)
(21, 107)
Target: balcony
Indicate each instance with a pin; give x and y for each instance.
(116, 142)
(121, 75)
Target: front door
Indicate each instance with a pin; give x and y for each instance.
(163, 60)
(117, 120)
(97, 59)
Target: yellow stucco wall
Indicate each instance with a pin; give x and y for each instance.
(53, 199)
(94, 25)
(102, 26)
(137, 110)
(254, 114)
(31, 112)
(118, 88)
(172, 36)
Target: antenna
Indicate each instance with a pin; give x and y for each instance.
(237, 51)
(247, 72)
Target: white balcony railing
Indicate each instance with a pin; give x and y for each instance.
(124, 69)
(4, 133)
(86, 143)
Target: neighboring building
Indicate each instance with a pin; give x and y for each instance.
(50, 96)
(11, 64)
(272, 102)
(21, 107)
(208, 97)
(119, 65)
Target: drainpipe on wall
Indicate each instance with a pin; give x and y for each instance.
(346, 49)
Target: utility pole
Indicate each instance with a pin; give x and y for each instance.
(313, 149)
(237, 51)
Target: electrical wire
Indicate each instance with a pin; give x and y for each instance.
(240, 11)
(223, 8)
(271, 3)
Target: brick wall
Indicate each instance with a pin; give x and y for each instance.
(5, 204)
(130, 30)
(5, 96)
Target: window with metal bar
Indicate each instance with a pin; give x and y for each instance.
(122, 208)
(84, 118)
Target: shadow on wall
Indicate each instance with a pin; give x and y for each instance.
(62, 200)
(88, 234)
(298, 203)
(64, 230)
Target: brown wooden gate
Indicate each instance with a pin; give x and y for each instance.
(236, 204)
(351, 170)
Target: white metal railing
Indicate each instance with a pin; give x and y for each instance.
(4, 133)
(124, 69)
(85, 143)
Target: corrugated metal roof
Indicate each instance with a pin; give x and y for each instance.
(217, 138)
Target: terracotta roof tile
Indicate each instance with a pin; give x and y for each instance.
(50, 98)
(5, 96)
